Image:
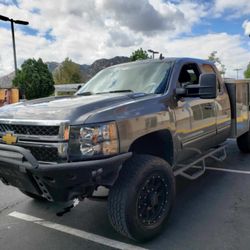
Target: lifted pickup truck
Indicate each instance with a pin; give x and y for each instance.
(132, 129)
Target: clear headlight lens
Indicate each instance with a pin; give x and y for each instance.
(95, 140)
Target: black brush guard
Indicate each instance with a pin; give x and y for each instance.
(59, 182)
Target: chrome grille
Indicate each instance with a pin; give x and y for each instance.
(30, 129)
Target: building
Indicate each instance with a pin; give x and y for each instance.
(8, 96)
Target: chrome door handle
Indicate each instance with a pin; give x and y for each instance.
(209, 106)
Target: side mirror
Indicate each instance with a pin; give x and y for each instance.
(180, 92)
(208, 86)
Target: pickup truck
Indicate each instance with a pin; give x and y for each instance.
(132, 129)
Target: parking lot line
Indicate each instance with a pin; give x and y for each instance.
(75, 232)
(227, 170)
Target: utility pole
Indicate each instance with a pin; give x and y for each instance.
(12, 21)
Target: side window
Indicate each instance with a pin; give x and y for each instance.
(189, 74)
(206, 68)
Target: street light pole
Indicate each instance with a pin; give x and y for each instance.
(12, 21)
(14, 44)
(237, 73)
(153, 52)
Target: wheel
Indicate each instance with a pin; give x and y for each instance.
(33, 196)
(142, 198)
(243, 142)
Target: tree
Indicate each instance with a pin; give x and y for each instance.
(34, 79)
(247, 71)
(67, 72)
(139, 54)
(216, 60)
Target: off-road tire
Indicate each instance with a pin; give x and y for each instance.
(33, 196)
(124, 197)
(243, 143)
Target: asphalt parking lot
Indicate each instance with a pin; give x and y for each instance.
(212, 212)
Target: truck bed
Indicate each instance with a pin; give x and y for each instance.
(239, 93)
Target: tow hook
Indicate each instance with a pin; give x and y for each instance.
(75, 202)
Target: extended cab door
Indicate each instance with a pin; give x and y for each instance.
(197, 133)
(222, 104)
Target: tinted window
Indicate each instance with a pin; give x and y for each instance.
(189, 74)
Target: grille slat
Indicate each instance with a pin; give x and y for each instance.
(49, 154)
(30, 129)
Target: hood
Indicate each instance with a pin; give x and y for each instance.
(61, 108)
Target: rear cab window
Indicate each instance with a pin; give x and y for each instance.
(207, 68)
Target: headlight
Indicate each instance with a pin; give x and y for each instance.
(94, 140)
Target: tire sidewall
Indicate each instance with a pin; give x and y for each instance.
(243, 143)
(135, 227)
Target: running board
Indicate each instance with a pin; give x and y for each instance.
(219, 154)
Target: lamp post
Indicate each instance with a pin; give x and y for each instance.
(153, 52)
(237, 73)
(12, 21)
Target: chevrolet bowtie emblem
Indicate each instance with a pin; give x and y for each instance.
(9, 138)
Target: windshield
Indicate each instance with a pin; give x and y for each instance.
(148, 77)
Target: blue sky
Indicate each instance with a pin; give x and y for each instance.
(92, 29)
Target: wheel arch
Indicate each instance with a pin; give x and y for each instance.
(158, 143)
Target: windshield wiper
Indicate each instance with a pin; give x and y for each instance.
(116, 91)
(121, 90)
(85, 93)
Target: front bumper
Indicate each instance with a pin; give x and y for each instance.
(57, 182)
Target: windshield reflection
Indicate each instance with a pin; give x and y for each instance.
(143, 77)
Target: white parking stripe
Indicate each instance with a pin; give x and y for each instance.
(229, 170)
(226, 170)
(75, 232)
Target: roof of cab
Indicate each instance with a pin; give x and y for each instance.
(167, 59)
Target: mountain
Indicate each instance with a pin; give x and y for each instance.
(6, 81)
(104, 63)
(87, 71)
(52, 65)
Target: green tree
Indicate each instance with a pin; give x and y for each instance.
(67, 72)
(139, 54)
(247, 71)
(216, 60)
(34, 79)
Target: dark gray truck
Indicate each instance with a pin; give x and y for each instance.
(132, 129)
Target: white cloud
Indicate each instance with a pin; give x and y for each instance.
(238, 8)
(229, 47)
(88, 30)
(193, 13)
(144, 16)
(123, 38)
(246, 27)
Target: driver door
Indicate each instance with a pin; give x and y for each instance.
(199, 126)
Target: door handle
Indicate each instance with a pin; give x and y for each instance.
(209, 106)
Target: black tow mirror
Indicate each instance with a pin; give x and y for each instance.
(208, 86)
(180, 92)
